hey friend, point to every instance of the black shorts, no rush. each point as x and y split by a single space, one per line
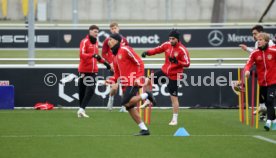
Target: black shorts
160 78
130 92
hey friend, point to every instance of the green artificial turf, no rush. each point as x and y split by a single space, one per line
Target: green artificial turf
59 133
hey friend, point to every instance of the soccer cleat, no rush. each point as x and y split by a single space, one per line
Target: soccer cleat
110 103
143 133
267 127
151 98
236 87
123 109
173 123
146 104
262 108
81 113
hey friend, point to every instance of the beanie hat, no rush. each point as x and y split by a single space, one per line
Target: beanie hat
174 33
116 36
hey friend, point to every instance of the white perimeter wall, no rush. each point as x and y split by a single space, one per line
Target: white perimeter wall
149 9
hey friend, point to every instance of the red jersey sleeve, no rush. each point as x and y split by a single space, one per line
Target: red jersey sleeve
102 59
114 78
249 62
105 49
157 50
124 41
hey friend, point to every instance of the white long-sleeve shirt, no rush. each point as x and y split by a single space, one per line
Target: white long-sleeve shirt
250 50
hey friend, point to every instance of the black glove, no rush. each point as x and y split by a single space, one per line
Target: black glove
98 57
144 54
173 60
108 67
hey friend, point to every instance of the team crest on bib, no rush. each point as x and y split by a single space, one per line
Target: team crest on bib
269 56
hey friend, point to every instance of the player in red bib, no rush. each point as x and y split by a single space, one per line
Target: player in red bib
108 56
129 70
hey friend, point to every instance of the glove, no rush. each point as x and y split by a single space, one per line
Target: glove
108 67
173 60
144 54
98 57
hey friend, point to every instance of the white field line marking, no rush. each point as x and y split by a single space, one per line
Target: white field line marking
72 135
265 139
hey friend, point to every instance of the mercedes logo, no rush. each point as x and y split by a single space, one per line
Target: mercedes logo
215 38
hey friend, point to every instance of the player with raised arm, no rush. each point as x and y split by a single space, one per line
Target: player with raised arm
129 70
176 59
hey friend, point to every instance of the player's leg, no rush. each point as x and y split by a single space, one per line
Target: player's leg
157 78
82 89
270 101
133 99
129 100
123 108
136 117
112 93
262 108
173 90
147 87
88 93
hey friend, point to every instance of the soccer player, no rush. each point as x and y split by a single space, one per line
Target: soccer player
88 68
255 31
236 86
108 56
176 58
129 69
265 60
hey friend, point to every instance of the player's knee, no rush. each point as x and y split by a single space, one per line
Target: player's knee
113 90
129 107
115 86
148 81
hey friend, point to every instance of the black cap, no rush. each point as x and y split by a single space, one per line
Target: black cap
116 36
174 33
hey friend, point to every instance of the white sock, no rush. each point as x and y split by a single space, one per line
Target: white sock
274 121
144 96
175 116
142 126
268 122
262 104
81 110
110 100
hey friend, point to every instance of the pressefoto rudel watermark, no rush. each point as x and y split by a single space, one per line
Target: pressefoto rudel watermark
50 79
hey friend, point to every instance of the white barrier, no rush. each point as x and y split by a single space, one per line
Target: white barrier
216 63
141 25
